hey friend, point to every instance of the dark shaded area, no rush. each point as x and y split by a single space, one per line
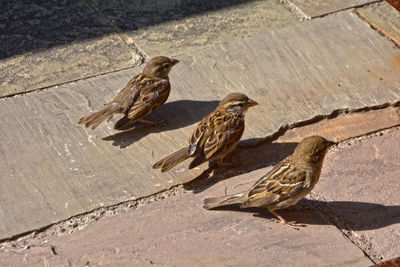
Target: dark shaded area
26 26
352 215
246 158
42 24
394 3
348 215
390 263
178 114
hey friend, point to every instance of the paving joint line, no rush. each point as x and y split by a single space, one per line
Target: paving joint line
296 10
334 114
344 9
344 227
49 87
144 56
341 223
377 29
81 220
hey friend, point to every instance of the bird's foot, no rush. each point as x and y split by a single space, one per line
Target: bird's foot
154 123
292 224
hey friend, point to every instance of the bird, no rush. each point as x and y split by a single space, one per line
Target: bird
215 136
286 184
143 93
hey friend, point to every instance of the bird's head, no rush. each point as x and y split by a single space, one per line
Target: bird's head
236 103
159 67
312 149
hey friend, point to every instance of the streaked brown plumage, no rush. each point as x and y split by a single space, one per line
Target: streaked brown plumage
215 136
145 92
288 182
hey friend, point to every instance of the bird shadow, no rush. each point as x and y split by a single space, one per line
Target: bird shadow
178 114
346 215
249 155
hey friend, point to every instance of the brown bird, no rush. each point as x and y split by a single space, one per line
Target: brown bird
288 182
145 92
215 136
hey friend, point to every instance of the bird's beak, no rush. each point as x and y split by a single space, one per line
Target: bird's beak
251 103
174 62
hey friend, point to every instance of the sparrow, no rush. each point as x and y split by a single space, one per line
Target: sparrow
215 136
288 182
143 93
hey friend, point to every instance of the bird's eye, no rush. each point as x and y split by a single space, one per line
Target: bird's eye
166 66
241 104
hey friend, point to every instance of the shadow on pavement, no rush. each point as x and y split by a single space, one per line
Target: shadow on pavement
347 215
355 215
178 114
249 158
39 24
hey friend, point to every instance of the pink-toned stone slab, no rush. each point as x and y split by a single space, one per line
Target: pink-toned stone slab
360 184
177 231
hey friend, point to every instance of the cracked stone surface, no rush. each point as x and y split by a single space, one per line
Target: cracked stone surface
176 27
361 190
43 43
53 169
316 8
384 18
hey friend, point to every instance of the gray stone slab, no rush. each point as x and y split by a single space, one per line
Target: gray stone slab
53 169
384 18
316 8
44 43
177 231
361 189
176 27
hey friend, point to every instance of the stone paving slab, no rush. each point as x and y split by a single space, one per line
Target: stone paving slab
362 188
316 8
384 18
45 43
176 27
177 231
346 126
53 169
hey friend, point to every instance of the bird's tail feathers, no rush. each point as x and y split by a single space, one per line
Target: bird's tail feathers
215 202
172 160
95 118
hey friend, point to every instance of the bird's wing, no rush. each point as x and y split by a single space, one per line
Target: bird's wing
129 94
224 132
149 94
284 181
198 134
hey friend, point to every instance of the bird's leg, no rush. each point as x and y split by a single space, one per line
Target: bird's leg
154 123
283 221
